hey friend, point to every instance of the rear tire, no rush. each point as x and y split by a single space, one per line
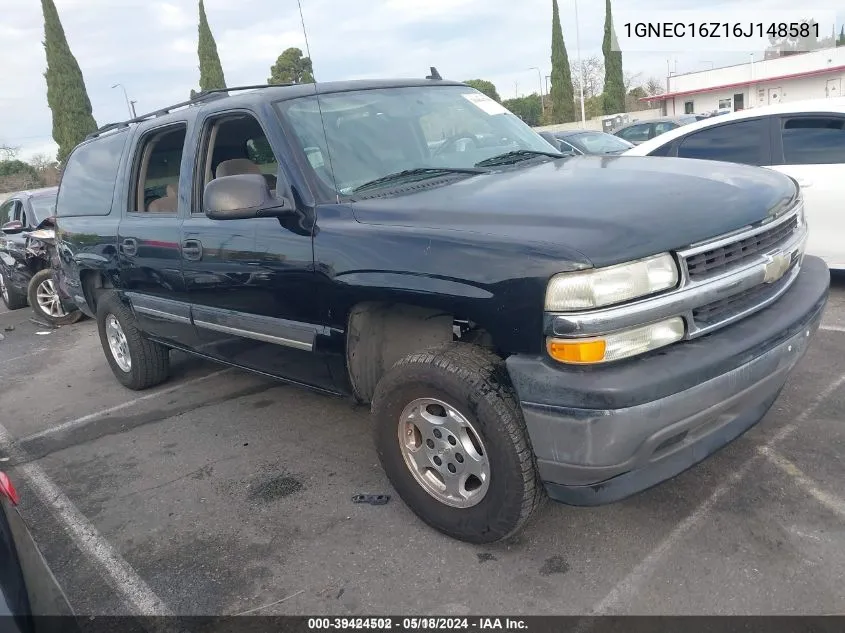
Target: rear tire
136 362
12 299
461 425
44 300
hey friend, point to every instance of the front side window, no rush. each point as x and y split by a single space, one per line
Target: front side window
90 176
740 142
814 141
663 127
7 212
235 144
635 133
364 135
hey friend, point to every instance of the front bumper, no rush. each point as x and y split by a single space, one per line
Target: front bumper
601 434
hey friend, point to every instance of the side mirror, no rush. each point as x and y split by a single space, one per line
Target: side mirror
12 228
243 196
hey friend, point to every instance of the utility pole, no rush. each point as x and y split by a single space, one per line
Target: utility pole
540 77
128 103
580 66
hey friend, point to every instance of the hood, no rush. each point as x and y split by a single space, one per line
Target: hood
611 209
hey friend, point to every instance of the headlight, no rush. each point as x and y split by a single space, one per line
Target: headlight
614 284
618 345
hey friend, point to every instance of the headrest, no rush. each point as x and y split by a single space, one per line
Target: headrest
236 166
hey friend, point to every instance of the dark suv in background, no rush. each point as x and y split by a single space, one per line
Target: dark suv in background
520 322
20 212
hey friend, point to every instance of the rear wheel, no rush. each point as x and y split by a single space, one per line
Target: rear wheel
451 437
45 301
136 362
12 299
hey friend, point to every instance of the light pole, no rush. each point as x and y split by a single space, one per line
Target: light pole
580 66
129 105
540 77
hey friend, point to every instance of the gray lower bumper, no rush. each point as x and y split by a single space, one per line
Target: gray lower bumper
591 456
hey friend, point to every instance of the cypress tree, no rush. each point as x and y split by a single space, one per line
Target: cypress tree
211 71
841 40
66 94
613 97
562 94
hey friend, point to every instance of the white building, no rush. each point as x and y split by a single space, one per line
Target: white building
814 75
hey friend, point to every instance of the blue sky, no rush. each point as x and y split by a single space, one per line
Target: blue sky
150 46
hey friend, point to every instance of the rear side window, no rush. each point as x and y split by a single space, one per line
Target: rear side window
740 142
814 141
155 180
90 176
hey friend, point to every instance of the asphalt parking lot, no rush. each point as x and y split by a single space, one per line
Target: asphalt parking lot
224 493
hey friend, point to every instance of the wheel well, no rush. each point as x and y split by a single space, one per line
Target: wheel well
92 282
380 334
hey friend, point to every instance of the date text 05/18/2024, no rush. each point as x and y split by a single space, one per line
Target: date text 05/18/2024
738 30
417 624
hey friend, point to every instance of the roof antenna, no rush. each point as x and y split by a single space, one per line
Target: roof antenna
434 74
319 105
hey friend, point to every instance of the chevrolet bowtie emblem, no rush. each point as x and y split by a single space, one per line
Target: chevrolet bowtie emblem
776 267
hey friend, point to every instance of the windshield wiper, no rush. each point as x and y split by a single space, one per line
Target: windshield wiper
411 175
515 156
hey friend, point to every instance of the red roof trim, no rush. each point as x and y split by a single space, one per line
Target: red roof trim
811 73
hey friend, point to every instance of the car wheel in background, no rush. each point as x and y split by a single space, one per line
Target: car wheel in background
12 299
45 301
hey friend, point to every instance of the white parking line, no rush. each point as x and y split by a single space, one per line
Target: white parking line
829 501
116 571
832 328
65 426
626 588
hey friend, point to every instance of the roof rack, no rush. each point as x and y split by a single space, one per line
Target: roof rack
205 95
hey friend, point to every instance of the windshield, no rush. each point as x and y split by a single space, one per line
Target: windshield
598 143
43 207
375 133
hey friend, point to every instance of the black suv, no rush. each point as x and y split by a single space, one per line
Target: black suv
520 322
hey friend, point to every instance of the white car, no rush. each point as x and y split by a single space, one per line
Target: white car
803 139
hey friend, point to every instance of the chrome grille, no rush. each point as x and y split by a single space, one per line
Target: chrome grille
721 258
724 309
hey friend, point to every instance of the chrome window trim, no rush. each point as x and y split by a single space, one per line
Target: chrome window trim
690 295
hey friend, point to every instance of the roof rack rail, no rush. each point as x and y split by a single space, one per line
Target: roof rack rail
205 95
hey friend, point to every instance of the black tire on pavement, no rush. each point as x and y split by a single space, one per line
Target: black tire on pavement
474 383
32 295
12 299
149 361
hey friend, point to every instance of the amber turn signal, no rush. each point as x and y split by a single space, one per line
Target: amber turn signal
591 351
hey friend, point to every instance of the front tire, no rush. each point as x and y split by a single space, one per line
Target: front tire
451 437
136 362
12 299
45 301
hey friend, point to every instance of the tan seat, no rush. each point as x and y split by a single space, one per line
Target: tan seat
168 204
236 167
